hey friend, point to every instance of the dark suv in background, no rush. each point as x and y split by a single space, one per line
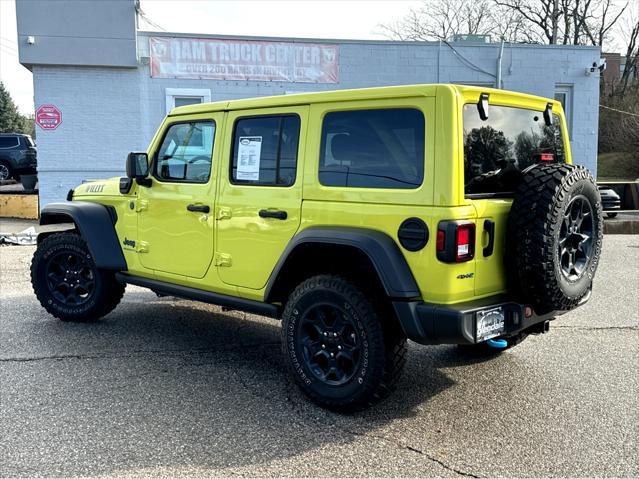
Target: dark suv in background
17 156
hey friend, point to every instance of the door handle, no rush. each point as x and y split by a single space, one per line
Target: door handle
278 214
489 227
199 208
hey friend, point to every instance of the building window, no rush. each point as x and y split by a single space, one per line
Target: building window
563 94
373 149
185 153
185 96
265 150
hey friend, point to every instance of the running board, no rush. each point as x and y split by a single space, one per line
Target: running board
186 292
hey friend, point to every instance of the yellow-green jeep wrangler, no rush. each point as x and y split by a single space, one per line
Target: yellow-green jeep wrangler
360 218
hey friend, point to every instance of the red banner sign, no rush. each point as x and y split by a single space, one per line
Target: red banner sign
174 57
48 117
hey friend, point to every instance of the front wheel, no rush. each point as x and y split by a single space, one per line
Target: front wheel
341 352
68 284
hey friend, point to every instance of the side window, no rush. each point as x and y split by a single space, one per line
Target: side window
8 141
265 150
185 153
373 149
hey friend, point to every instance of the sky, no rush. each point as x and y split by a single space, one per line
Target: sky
358 19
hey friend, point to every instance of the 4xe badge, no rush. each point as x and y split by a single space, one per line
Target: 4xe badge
465 275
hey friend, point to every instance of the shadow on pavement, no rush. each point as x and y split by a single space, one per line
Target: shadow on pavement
170 383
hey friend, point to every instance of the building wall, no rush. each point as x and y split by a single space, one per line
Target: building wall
69 32
107 112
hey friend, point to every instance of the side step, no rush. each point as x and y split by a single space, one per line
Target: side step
186 292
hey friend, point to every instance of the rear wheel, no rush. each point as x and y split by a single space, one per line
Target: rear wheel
67 282
341 352
5 171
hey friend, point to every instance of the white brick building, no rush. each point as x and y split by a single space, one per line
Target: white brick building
95 67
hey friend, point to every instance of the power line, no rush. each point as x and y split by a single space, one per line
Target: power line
8 52
618 111
7 46
8 40
467 62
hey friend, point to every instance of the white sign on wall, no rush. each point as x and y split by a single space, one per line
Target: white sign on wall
177 57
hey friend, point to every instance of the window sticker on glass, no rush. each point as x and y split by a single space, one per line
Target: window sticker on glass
248 153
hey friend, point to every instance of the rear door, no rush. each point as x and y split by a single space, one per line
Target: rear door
496 151
260 195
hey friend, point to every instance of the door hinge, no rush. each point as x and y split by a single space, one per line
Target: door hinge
223 259
141 205
223 213
143 247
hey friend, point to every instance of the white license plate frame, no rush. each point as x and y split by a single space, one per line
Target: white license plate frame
490 323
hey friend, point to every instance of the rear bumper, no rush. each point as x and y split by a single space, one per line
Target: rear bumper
456 324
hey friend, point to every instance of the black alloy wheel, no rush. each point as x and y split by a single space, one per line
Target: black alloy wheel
5 172
575 238
344 347
331 344
71 280
67 282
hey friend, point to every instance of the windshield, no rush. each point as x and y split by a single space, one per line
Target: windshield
496 150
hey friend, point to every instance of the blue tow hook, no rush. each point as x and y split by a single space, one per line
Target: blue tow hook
497 343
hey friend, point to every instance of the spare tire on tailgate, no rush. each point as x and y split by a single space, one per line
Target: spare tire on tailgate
554 236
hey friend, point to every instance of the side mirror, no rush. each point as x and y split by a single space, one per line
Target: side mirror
137 168
137 165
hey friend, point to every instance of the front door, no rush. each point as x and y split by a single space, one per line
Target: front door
260 197
176 221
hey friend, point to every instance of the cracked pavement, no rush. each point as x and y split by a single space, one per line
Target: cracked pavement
170 388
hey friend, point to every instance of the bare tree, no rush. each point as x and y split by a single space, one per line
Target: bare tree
573 22
441 19
631 68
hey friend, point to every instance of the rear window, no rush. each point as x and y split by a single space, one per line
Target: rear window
510 140
373 149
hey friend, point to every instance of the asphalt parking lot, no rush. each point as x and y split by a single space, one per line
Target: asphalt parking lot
169 388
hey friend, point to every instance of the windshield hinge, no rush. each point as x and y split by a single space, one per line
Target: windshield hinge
222 259
141 205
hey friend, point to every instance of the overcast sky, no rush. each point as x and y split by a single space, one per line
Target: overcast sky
307 18
302 18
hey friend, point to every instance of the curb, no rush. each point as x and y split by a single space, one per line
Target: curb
621 227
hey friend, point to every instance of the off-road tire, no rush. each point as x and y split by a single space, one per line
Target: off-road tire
383 344
105 294
537 231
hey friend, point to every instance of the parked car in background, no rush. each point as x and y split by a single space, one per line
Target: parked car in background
17 156
610 201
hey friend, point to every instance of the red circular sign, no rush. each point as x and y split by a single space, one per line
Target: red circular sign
48 117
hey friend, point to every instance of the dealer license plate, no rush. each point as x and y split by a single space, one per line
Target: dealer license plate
490 323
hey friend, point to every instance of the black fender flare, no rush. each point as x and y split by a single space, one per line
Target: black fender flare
382 250
96 224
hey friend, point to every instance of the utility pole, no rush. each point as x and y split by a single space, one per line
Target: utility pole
555 21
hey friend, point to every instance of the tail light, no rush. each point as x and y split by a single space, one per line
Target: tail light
465 242
455 241
546 157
